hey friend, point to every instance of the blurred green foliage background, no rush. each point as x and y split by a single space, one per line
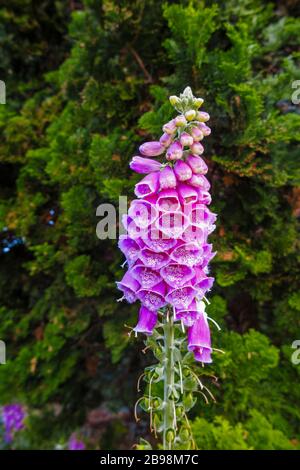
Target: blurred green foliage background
87 82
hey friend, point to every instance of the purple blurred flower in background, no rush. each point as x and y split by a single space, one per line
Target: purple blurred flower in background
13 420
75 444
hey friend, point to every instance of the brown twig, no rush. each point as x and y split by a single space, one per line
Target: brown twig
140 62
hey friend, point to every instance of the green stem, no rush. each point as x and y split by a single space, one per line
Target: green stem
169 408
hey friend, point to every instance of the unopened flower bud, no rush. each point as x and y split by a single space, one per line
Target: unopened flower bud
170 435
180 121
179 411
156 421
166 139
174 100
185 434
188 401
186 139
144 165
204 129
200 182
151 149
175 151
146 402
170 127
190 115
167 178
197 148
198 102
182 171
197 134
157 353
202 116
197 164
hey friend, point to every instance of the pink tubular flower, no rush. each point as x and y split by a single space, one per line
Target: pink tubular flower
186 139
151 149
199 337
129 286
205 284
197 164
153 298
182 171
154 260
188 254
200 182
147 321
172 223
194 233
167 178
203 355
181 297
147 185
197 148
157 242
201 281
177 275
208 255
147 277
129 247
175 151
144 165
170 127
168 200
197 134
142 212
202 116
168 225
204 197
200 215
166 139
134 232
204 129
187 194
188 315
